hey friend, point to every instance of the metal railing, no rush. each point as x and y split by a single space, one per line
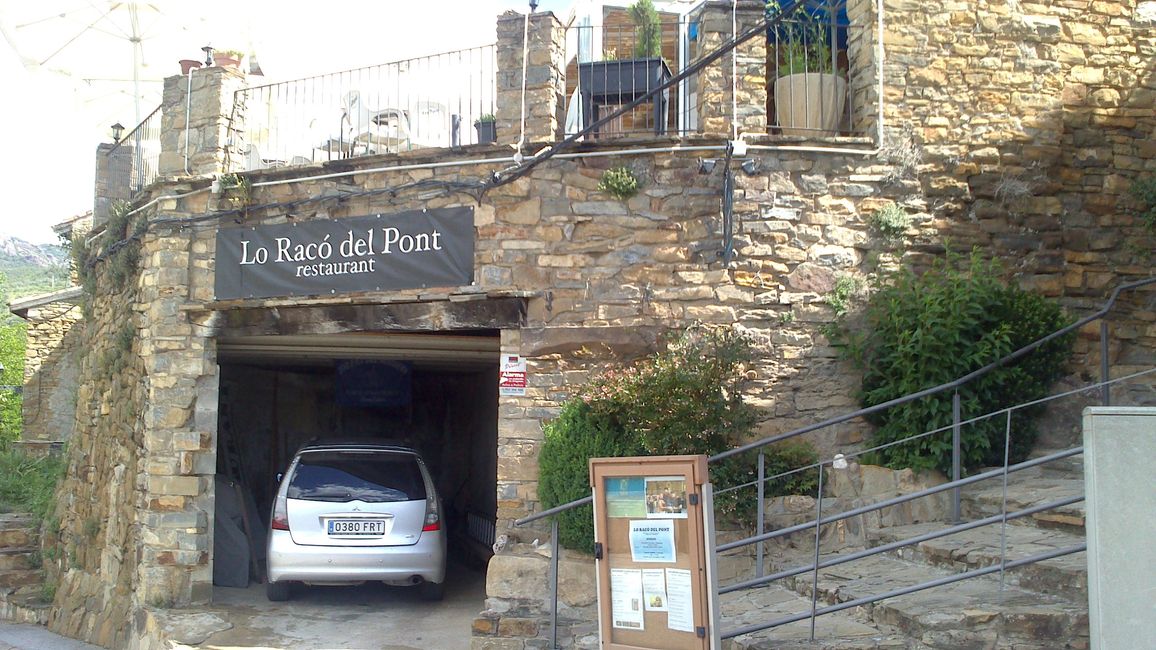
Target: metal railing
431 101
808 75
1103 388
132 163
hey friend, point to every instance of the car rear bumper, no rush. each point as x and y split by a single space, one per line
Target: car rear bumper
290 561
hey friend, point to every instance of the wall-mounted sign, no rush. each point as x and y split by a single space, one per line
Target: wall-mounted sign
373 383
407 250
512 375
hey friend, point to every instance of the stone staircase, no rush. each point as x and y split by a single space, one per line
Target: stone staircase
21 577
1033 607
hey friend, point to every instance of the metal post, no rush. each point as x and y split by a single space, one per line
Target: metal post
554 583
815 574
955 458
759 518
1105 391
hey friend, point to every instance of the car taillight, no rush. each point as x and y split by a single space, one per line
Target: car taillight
280 515
433 520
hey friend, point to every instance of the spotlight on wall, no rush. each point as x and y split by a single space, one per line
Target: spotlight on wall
706 165
750 166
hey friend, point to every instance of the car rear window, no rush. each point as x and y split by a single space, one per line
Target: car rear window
362 476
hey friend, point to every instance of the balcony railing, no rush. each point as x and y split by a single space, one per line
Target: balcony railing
430 101
814 76
132 162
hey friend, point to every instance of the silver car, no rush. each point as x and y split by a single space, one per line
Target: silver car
352 512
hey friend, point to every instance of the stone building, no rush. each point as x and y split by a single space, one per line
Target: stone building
1016 129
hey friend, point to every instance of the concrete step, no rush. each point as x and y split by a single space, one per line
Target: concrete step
1026 489
972 614
980 547
838 631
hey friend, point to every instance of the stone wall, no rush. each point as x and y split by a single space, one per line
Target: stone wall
91 545
50 372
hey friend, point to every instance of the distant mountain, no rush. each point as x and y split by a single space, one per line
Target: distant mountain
30 269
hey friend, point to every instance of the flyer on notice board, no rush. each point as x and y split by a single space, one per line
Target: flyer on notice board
652 540
679 600
626 610
654 589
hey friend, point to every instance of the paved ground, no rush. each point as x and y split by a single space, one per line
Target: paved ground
22 636
351 618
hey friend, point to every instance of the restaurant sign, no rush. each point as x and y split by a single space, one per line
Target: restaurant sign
407 250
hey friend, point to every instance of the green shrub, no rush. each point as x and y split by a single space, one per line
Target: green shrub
686 399
920 331
1144 191
571 440
619 182
27 483
647 29
891 222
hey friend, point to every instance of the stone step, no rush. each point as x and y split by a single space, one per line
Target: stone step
1026 489
24 605
974 613
19 558
980 547
12 578
17 530
838 631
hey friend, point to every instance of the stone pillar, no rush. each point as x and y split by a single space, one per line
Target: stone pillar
178 442
717 110
216 126
51 365
863 77
545 78
113 178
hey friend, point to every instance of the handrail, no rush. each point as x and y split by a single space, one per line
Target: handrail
879 407
134 130
879 505
959 577
940 388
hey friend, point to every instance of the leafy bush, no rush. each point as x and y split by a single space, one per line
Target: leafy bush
1144 191
28 483
891 221
647 29
686 399
619 182
572 439
13 340
924 330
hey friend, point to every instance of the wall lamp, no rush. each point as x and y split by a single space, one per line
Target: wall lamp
750 166
117 130
706 165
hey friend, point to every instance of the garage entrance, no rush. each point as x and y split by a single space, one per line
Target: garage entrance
437 393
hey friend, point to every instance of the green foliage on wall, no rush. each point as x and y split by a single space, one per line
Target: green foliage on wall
619 182
686 399
13 341
922 330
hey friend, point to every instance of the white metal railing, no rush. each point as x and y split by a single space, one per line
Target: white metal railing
431 101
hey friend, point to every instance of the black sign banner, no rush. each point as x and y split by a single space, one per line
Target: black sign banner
407 250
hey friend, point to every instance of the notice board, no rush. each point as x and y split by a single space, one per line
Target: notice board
651 552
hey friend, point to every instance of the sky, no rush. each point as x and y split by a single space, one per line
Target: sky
66 68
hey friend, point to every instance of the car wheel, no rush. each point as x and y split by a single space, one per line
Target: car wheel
277 591
432 590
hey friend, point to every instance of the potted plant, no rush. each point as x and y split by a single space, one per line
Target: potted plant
809 94
188 65
486 127
228 58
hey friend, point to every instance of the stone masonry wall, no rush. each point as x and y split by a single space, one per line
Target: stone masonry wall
50 372
91 545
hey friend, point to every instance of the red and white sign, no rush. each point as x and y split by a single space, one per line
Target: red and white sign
512 375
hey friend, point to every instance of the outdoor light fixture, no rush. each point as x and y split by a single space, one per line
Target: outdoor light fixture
117 129
533 6
208 50
750 166
706 165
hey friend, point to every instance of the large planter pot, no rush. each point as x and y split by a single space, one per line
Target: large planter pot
188 65
810 103
487 132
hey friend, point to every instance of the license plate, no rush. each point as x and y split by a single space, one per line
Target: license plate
355 527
